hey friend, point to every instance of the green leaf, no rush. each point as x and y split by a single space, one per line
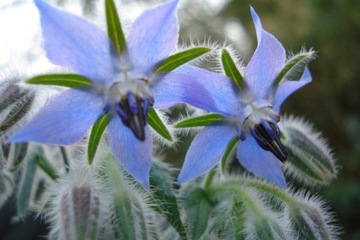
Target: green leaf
47 168
95 136
201 121
64 80
156 123
294 67
198 208
228 150
231 69
164 196
25 188
114 28
180 58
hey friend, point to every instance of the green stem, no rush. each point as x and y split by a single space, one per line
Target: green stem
65 158
273 190
210 177
244 197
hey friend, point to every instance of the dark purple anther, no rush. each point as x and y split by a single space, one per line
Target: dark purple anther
267 135
132 110
133 104
121 113
147 104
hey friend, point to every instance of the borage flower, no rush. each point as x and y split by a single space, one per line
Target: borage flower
248 105
120 82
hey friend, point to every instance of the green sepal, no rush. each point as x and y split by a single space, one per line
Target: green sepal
234 219
7 186
155 122
180 58
228 150
47 168
114 29
310 159
200 121
128 208
82 206
14 95
15 155
95 136
198 207
164 196
231 69
292 66
308 222
40 190
26 186
265 225
64 80
19 110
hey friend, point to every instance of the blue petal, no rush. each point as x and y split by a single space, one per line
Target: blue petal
134 155
260 162
206 150
266 63
75 43
286 88
64 120
198 87
153 36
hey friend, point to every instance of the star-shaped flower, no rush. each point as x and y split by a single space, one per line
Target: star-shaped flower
249 108
120 86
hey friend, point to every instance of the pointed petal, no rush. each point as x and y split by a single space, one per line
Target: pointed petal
64 120
134 155
260 162
198 87
266 63
153 36
286 88
206 150
75 43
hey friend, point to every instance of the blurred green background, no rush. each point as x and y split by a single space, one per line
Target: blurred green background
331 102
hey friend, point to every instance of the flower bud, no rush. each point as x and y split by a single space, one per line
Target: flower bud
80 211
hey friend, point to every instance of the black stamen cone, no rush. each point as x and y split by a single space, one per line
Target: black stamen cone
267 135
134 116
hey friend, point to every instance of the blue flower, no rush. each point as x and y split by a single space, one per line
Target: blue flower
121 83
250 113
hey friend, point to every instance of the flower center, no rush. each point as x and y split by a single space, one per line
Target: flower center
130 99
263 127
132 110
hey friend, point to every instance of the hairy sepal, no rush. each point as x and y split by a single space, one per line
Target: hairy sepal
163 194
310 159
295 66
